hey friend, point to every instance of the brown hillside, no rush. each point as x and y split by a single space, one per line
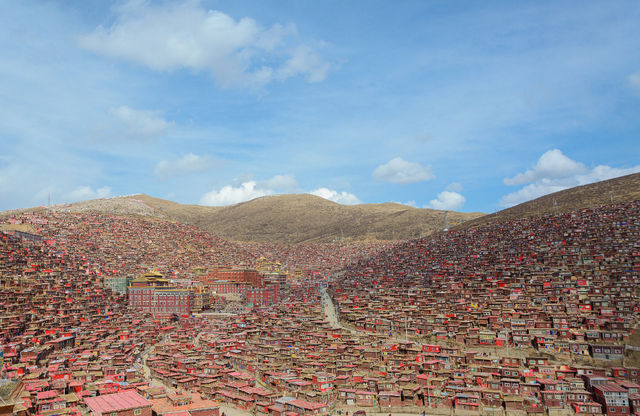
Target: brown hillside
189 214
283 218
305 218
617 190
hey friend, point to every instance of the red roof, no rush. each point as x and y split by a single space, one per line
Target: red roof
303 404
116 402
49 394
610 388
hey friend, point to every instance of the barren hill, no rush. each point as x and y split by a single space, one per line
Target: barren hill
285 218
617 190
305 218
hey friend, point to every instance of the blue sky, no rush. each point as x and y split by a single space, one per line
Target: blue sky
471 106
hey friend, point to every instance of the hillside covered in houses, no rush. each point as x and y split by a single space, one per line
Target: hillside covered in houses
525 316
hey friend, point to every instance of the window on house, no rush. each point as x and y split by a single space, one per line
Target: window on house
137 412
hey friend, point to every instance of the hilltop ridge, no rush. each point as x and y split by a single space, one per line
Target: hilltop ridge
300 218
304 218
289 218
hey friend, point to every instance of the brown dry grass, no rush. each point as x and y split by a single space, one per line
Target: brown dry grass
307 218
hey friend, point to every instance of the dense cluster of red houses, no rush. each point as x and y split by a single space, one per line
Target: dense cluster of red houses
531 316
66 335
115 246
112 245
67 343
562 285
316 259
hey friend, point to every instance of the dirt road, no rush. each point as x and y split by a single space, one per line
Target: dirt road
329 308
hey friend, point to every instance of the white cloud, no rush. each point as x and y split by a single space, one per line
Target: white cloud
604 172
249 189
399 170
287 182
273 37
185 35
553 164
139 123
530 192
556 173
229 195
343 197
84 193
188 163
634 80
447 200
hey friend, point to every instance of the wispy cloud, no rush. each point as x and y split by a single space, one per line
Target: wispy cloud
281 182
237 53
83 193
139 123
400 171
304 61
467 94
188 163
